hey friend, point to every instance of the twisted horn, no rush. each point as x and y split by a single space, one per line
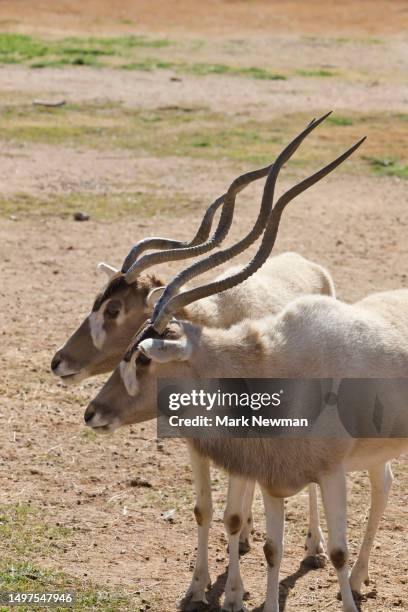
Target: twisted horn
174 250
224 224
266 205
133 265
165 243
163 314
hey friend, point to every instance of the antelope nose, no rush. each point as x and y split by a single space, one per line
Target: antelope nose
56 360
89 413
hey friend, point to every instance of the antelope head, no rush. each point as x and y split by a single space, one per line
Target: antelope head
129 396
99 342
118 311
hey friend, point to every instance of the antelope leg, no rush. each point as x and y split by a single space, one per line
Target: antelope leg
334 494
203 514
381 480
273 548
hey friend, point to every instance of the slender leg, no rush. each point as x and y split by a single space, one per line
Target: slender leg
273 549
247 525
314 544
203 514
334 494
381 480
233 517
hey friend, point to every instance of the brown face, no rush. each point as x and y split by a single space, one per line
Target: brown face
129 396
114 406
98 344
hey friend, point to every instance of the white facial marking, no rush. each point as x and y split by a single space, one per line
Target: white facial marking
101 425
75 378
96 321
63 370
128 375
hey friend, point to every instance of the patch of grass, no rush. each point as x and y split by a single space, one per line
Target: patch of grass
29 577
88 434
192 132
55 134
204 69
387 166
16 48
339 120
101 207
104 52
148 65
81 60
120 45
22 528
254 72
373 41
320 72
342 40
26 533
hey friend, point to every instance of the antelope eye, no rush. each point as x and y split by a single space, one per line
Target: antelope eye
113 309
142 359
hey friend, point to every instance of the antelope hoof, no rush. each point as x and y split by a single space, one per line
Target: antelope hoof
195 606
244 546
270 608
234 601
190 604
358 577
231 607
195 598
314 544
315 561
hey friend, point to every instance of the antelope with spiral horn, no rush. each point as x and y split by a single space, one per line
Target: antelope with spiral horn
283 345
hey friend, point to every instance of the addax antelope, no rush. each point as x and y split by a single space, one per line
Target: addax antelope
284 345
98 344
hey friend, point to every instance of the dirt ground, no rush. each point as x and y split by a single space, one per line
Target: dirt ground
86 513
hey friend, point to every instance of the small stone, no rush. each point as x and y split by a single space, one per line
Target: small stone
81 216
140 482
168 515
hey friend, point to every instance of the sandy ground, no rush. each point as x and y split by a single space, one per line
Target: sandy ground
354 224
228 17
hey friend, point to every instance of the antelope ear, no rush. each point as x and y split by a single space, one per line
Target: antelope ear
153 296
163 351
109 270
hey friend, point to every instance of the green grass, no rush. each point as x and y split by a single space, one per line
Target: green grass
32 578
107 52
194 132
21 526
25 533
317 73
148 65
386 166
342 40
80 60
339 120
170 131
203 69
191 132
112 206
19 48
